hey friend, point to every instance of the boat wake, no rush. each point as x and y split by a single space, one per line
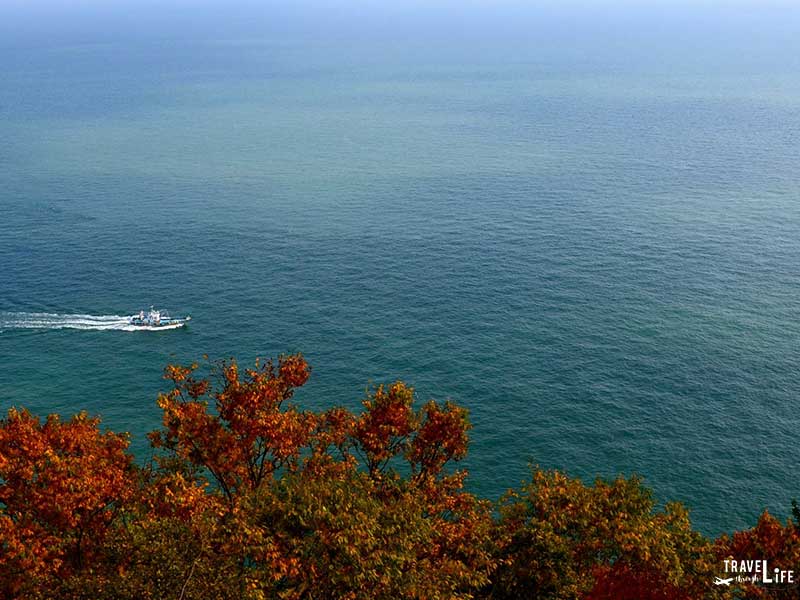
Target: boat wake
23 320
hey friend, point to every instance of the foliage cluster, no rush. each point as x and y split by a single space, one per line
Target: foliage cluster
250 497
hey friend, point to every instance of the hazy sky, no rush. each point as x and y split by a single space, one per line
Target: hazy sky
108 18
757 36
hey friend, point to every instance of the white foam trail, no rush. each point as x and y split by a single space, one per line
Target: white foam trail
22 320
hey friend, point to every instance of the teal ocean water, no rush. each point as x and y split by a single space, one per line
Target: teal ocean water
599 258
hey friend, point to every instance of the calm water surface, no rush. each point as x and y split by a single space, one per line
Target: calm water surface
599 259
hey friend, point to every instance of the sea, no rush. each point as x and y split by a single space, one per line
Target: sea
596 253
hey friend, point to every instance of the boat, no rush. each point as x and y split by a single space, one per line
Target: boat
157 319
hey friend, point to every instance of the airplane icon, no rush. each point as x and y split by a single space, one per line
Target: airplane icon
720 581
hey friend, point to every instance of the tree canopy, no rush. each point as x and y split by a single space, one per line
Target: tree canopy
249 496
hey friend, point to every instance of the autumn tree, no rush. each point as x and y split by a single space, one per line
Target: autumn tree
777 543
250 434
560 539
424 443
62 485
290 479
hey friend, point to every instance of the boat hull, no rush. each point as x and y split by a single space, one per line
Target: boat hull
149 325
